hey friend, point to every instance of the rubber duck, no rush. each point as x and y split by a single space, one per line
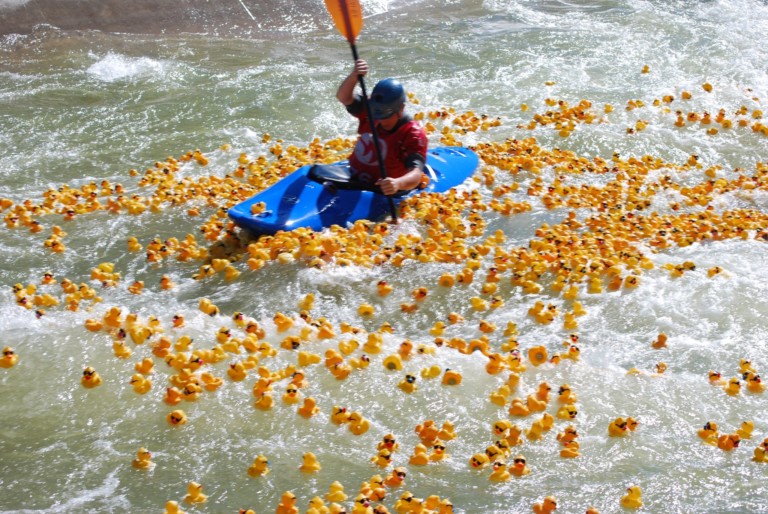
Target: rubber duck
211 382
259 467
143 459
715 378
438 451
383 288
264 401
451 378
746 365
393 362
427 432
335 493
534 404
660 341
375 490
339 415
565 395
172 507
728 442
536 431
754 382
287 504
760 454
357 424
176 418
447 431
633 499
292 395
119 348
405 503
618 428
172 396
570 450
478 461
140 384
310 463
145 366
309 408
388 442
745 431
592 510
519 408
709 433
733 387
307 359
90 378
373 344
500 472
420 456
383 458
537 355
632 424
519 467
547 506
396 478
195 493
408 384
493 452
237 371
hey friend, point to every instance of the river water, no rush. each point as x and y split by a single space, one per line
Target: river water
84 107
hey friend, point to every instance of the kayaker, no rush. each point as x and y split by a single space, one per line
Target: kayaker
402 140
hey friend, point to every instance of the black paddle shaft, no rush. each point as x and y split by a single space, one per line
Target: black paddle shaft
369 111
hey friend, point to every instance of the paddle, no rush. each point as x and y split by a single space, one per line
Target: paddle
348 18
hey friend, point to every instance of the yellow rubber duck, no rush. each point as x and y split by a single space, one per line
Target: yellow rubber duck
90 378
733 387
287 504
264 401
259 467
396 478
716 378
339 415
335 493
478 461
393 362
438 451
754 382
383 458
500 472
195 494
728 442
745 431
633 498
9 358
618 428
565 395
357 424
145 366
408 384
547 506
709 433
451 377
172 507
292 395
420 457
140 384
237 371
211 382
176 418
570 450
519 468
143 459
310 463
309 408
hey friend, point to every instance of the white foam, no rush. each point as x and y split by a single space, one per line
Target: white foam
113 67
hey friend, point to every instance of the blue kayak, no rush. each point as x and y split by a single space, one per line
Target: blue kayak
313 198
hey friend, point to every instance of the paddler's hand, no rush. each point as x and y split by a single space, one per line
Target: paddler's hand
389 186
361 68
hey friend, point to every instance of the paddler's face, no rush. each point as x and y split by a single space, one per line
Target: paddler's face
390 122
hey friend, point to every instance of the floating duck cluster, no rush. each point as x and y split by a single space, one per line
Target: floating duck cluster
604 249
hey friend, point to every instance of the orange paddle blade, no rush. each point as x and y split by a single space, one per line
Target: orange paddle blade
348 17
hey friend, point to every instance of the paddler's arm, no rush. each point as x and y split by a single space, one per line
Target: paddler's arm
346 92
410 180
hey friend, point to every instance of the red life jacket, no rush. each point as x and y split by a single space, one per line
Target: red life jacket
396 146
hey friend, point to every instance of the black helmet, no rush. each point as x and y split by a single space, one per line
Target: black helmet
387 98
